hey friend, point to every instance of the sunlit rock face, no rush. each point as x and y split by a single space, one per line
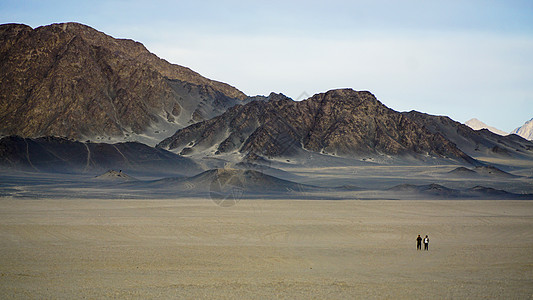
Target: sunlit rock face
73 81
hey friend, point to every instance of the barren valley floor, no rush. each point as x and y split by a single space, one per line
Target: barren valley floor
298 249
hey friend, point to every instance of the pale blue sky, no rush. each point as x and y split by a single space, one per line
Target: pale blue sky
463 59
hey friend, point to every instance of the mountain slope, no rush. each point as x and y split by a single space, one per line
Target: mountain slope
525 131
74 81
478 125
339 122
480 143
217 179
51 154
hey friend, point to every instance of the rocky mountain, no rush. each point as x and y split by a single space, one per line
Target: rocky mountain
69 80
525 131
52 154
73 81
339 122
478 125
475 143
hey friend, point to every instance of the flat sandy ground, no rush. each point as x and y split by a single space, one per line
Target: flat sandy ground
192 248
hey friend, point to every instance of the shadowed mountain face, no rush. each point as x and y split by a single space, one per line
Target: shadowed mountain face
71 80
61 155
339 122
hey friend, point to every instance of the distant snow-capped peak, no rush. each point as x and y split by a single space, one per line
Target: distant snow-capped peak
478 125
525 131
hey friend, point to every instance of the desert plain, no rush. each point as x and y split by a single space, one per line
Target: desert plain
192 248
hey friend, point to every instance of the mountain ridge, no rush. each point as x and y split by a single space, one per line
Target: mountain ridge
478 125
476 143
71 80
340 122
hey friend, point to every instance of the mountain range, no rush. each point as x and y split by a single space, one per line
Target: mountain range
73 96
339 122
525 131
344 123
73 81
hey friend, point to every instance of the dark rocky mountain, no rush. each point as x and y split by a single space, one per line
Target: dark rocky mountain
73 81
51 154
339 122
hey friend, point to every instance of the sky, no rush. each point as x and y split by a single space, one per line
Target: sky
462 59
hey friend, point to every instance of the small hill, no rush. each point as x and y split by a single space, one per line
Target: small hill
249 180
462 171
487 171
436 191
113 175
219 182
481 191
430 190
492 172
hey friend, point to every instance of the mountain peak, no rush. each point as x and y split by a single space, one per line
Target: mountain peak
68 79
340 122
345 94
478 125
526 130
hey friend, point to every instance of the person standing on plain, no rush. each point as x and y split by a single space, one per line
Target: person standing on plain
419 243
426 243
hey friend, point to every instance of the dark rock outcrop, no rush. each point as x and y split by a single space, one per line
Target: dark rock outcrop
73 81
